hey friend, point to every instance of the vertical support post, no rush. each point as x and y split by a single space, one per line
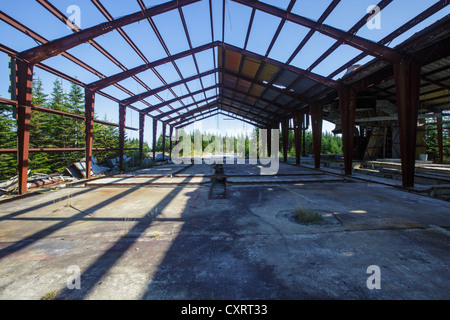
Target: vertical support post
24 88
316 122
304 127
407 87
122 119
285 136
298 126
170 143
141 138
440 141
89 103
347 105
164 140
155 126
269 141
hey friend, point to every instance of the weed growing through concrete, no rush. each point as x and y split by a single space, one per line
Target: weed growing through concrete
307 216
125 226
49 295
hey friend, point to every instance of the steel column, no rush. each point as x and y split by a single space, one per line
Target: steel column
155 126
316 123
163 140
347 105
89 103
170 143
285 136
407 82
122 119
24 88
141 138
440 141
298 124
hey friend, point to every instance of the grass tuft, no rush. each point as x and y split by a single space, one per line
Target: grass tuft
307 216
49 295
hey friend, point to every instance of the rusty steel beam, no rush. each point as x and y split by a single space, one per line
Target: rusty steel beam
160 105
279 106
316 111
194 111
76 116
155 127
170 142
141 138
165 114
203 118
362 22
122 120
440 140
362 44
58 46
105 82
57 150
255 115
24 88
407 81
298 124
311 32
399 31
58 14
257 108
164 126
285 137
347 106
195 117
258 125
144 95
166 49
89 104
38 38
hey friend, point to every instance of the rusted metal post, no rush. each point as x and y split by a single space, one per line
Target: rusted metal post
24 88
285 136
89 104
298 124
316 122
141 138
304 127
440 141
347 105
407 88
163 140
122 119
170 142
155 126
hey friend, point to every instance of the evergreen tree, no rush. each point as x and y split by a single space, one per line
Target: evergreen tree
8 162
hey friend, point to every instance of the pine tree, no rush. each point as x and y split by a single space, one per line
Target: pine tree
8 163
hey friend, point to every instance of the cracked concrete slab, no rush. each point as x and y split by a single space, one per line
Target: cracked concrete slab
173 242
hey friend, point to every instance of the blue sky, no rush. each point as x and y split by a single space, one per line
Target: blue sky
237 16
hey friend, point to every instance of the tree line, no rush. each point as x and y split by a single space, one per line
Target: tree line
49 130
331 144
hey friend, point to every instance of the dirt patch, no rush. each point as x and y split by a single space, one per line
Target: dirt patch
328 218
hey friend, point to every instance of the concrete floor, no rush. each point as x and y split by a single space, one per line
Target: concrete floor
170 241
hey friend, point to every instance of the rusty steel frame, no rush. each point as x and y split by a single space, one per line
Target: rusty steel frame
337 89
